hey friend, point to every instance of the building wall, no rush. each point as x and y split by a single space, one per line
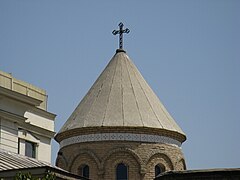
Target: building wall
23 118
8 135
14 134
43 144
9 82
39 120
103 157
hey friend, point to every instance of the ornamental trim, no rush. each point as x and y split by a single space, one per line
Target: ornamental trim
119 137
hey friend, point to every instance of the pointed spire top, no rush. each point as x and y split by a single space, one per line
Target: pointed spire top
121 98
120 32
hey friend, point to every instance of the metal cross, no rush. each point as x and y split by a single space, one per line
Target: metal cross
120 32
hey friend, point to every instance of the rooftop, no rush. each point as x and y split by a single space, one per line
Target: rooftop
9 82
121 97
12 163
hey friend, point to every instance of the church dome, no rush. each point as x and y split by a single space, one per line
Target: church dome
120 129
121 98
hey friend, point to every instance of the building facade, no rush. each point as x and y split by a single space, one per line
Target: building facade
12 165
206 174
26 127
120 129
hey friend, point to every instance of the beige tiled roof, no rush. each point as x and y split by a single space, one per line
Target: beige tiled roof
10 160
121 97
12 163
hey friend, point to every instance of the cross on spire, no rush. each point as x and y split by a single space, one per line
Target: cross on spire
120 32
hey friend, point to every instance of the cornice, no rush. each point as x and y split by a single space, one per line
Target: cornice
19 97
43 113
11 116
37 130
130 137
21 121
136 130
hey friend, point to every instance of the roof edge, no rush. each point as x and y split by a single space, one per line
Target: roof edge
200 172
139 130
20 97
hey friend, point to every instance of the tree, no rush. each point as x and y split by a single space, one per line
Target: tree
28 176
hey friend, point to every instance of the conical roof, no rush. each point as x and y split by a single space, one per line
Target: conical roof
121 97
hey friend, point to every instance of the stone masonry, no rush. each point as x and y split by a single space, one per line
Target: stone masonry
102 158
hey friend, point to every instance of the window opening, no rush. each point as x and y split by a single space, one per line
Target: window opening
30 149
122 172
19 145
159 169
84 171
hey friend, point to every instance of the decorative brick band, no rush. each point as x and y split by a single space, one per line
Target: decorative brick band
119 137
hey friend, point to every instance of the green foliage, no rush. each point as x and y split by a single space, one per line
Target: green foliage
28 176
49 176
23 176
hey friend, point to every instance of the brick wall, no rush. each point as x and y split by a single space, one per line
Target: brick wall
103 157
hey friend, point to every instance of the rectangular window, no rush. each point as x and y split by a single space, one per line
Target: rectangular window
30 149
18 145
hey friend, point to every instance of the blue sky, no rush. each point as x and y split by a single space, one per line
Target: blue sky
188 51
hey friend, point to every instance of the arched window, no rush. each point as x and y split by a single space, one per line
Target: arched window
121 172
159 169
84 171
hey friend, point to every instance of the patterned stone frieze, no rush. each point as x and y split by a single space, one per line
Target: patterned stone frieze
119 137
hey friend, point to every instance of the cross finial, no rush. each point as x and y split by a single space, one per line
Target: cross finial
120 32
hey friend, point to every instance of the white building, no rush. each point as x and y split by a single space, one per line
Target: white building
26 127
